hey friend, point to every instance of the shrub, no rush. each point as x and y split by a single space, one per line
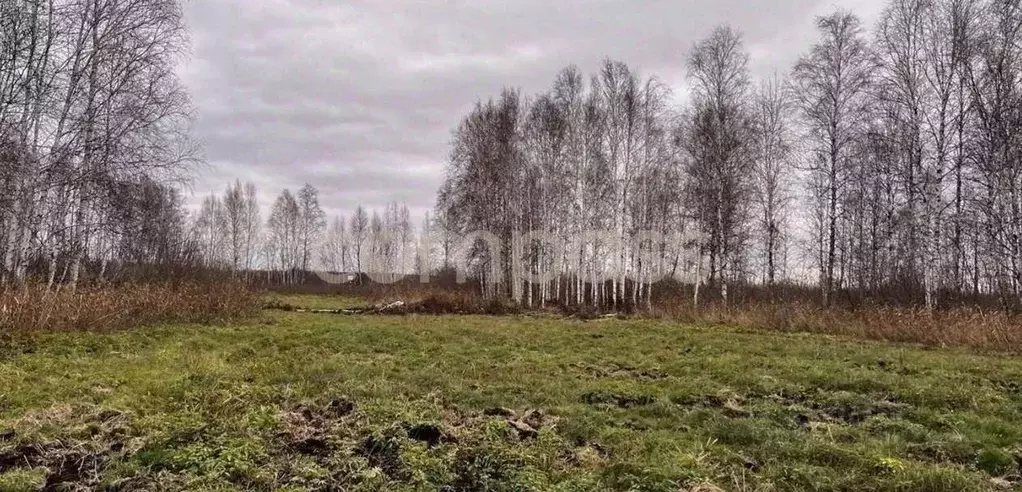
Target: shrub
440 302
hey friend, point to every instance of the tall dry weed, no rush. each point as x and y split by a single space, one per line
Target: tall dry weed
964 326
113 307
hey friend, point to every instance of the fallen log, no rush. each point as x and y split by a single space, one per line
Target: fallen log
397 307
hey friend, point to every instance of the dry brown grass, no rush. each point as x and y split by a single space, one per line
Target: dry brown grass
971 322
972 327
35 309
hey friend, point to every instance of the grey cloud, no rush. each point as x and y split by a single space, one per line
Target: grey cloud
359 97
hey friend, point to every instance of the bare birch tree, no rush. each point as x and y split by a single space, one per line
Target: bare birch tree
830 86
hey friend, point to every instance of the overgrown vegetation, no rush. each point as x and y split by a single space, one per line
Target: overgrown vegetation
978 326
108 307
319 402
973 327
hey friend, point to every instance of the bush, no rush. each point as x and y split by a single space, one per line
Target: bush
114 307
440 302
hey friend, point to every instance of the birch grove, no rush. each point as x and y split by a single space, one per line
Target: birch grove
92 132
885 165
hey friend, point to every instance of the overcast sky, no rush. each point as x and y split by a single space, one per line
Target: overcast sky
358 97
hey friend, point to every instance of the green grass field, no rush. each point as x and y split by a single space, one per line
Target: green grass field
324 402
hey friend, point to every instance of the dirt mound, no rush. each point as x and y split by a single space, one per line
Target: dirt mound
98 438
617 399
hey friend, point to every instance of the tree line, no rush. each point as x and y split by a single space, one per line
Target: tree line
93 132
95 145
885 162
297 238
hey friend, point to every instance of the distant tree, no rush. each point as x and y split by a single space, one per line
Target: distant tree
719 140
771 171
233 218
209 232
311 220
251 223
359 234
830 85
335 246
284 235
